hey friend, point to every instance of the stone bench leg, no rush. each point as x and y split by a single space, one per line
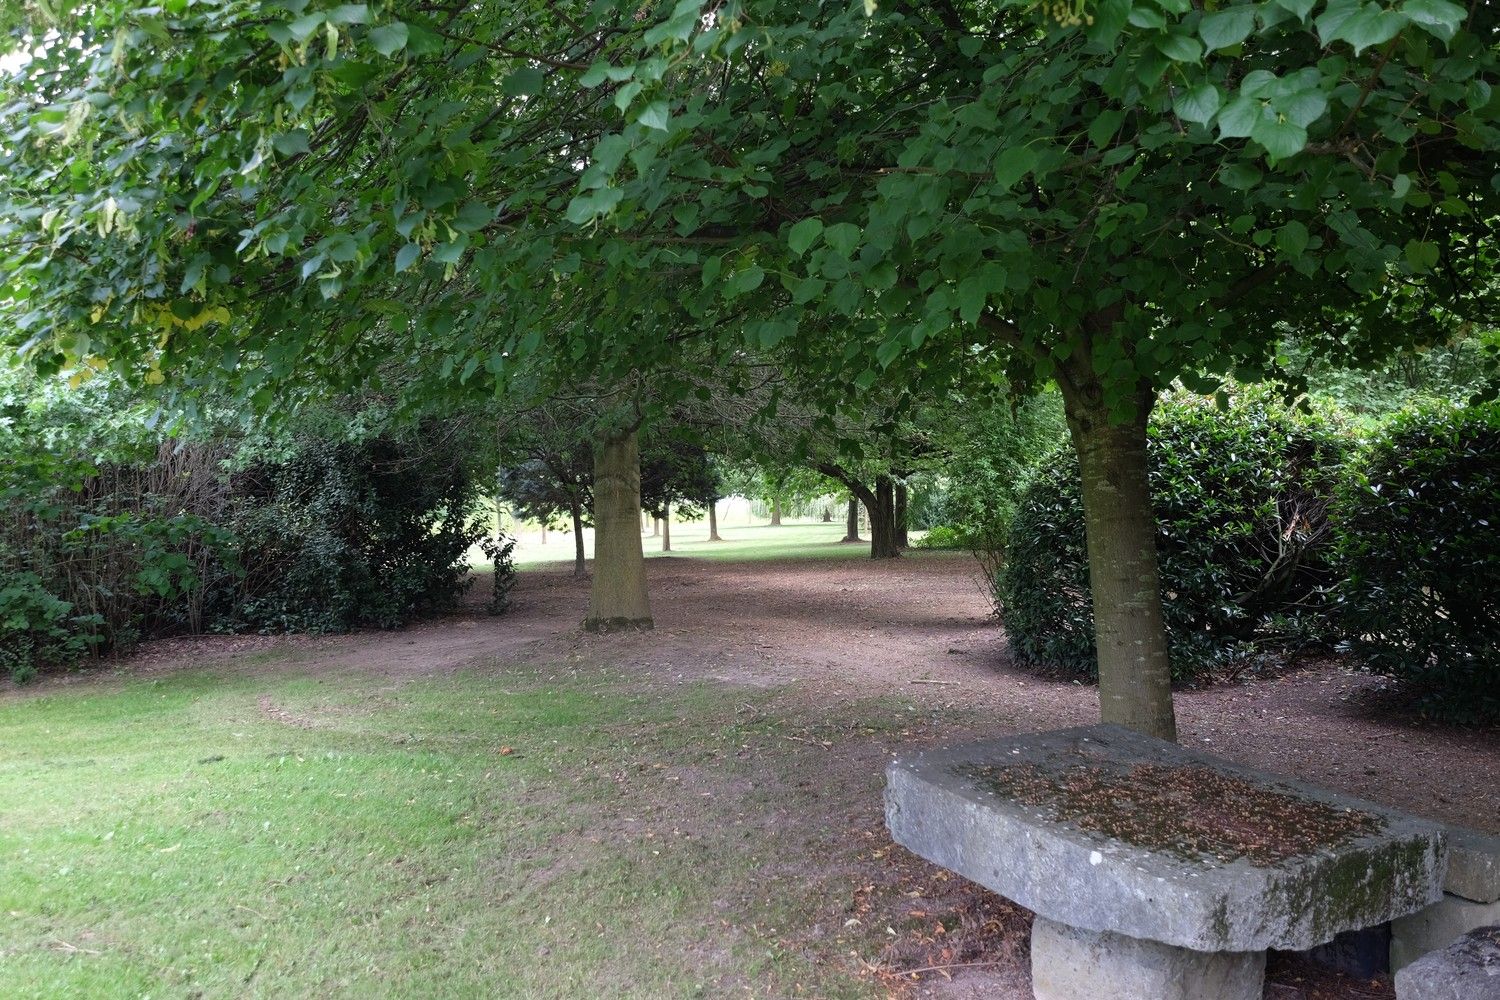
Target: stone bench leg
1069 963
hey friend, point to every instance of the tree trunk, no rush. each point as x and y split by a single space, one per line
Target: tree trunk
775 512
655 526
713 521
1135 677
666 528
618 599
883 520
580 568
903 539
851 522
544 532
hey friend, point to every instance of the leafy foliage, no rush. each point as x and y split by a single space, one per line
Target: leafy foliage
1416 532
993 450
1240 500
345 534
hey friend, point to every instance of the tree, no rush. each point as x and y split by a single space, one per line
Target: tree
1146 192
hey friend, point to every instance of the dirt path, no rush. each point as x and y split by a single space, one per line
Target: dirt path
917 628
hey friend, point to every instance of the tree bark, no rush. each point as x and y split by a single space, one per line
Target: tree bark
580 569
851 522
713 521
666 528
883 520
655 526
775 512
618 599
1135 677
903 535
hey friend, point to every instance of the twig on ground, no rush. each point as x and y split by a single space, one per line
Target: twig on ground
945 968
74 947
932 680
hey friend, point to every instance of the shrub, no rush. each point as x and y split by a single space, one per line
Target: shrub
342 534
1416 532
995 451
1240 499
942 536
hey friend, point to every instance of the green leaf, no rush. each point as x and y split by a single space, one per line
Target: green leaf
1104 126
388 39
1237 119
1297 7
450 253
1012 164
1368 24
473 216
291 143
1281 138
304 26
1437 17
1240 176
742 281
524 82
1292 238
1180 48
802 235
843 237
654 115
1199 104
407 256
1224 28
973 292
1422 256
587 206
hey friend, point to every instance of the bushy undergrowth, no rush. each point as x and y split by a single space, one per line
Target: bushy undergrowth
1418 532
110 533
343 534
1240 498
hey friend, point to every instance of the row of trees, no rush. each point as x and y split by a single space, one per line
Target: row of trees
857 207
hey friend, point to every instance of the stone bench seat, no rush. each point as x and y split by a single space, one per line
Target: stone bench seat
1155 870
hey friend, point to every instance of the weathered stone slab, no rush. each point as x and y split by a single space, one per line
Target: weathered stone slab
1468 969
1473 865
1437 926
1108 830
1068 963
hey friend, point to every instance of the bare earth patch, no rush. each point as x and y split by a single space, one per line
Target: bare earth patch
917 631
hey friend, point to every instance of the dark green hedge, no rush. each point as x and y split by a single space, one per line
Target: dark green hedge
1416 525
1246 564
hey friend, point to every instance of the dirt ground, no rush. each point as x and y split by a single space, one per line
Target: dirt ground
919 629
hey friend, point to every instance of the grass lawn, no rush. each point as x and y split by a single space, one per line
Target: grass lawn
503 832
742 543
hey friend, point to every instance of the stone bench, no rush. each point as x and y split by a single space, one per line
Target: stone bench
1468 969
1157 872
1471 898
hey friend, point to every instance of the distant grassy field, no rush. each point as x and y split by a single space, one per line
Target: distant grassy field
802 540
506 833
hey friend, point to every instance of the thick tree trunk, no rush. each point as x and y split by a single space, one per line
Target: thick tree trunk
655 526
883 520
851 522
713 521
618 599
1135 677
666 528
775 512
580 568
903 535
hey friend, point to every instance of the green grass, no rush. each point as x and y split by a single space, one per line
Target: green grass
742 543
216 834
